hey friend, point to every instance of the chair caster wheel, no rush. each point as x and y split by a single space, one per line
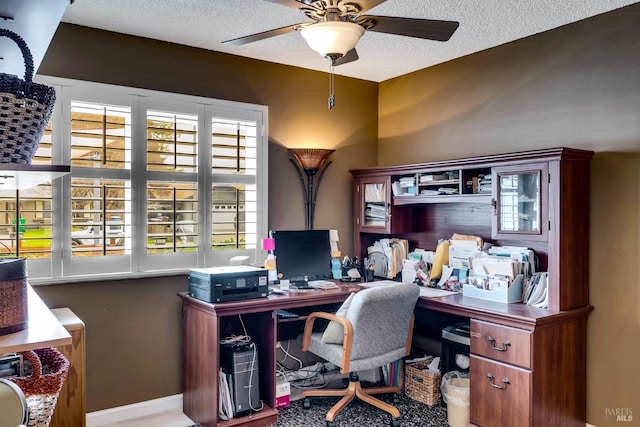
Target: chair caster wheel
331 424
395 422
306 403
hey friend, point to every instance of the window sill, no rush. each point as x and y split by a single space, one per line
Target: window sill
106 277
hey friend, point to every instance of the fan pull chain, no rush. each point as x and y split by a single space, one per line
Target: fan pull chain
332 97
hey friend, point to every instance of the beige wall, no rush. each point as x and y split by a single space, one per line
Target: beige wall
133 340
577 86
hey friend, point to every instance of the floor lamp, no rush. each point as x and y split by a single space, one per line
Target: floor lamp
310 163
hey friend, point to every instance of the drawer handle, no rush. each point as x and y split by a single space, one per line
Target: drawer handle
492 343
505 381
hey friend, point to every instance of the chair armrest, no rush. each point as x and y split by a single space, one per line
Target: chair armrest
348 335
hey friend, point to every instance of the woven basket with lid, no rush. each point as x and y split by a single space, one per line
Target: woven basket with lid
13 295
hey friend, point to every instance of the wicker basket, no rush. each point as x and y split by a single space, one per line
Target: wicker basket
421 385
13 295
48 371
25 109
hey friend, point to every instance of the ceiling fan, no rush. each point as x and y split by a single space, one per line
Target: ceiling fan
339 24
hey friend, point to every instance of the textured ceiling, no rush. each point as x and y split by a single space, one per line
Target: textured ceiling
206 23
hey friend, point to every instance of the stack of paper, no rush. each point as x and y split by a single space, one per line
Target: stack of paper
432 177
517 253
375 213
484 184
447 190
390 251
225 410
404 187
462 252
374 193
536 291
407 181
322 284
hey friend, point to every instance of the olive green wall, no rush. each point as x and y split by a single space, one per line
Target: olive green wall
576 86
133 336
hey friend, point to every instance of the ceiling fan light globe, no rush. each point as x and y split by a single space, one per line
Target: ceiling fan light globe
332 39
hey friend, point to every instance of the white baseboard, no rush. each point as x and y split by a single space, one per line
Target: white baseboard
135 410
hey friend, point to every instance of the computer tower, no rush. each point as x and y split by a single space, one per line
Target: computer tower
240 363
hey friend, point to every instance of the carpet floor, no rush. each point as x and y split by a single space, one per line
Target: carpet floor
358 413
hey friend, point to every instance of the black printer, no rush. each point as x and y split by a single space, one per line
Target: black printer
229 283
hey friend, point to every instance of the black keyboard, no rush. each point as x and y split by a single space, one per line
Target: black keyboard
300 284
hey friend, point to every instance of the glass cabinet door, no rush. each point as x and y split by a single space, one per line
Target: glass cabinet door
374 204
520 202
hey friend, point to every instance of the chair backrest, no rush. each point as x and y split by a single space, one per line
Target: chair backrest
14 409
381 319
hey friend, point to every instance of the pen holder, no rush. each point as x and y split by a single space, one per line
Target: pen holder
350 270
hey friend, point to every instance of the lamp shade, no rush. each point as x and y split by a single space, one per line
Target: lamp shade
332 38
310 158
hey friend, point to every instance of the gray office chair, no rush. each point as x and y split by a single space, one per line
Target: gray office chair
377 330
14 410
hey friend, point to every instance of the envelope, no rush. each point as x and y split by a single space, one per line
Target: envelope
495 266
460 255
517 253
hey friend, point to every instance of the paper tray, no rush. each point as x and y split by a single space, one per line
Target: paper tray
511 295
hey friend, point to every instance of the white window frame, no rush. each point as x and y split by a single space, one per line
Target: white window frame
62 267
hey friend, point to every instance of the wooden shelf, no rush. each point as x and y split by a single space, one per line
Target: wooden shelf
437 183
17 176
266 415
444 198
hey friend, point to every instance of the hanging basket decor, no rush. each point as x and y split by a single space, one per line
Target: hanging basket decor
25 109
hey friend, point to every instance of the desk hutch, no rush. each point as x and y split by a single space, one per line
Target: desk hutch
528 365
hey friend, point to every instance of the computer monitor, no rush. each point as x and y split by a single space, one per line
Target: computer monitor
302 253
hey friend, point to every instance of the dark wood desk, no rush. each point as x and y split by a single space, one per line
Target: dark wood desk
536 350
204 324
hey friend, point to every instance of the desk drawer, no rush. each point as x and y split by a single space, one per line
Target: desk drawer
501 343
500 394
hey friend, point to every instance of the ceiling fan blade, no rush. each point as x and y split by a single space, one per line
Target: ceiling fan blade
296 4
411 27
350 56
264 35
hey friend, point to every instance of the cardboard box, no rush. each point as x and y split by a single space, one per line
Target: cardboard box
283 392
